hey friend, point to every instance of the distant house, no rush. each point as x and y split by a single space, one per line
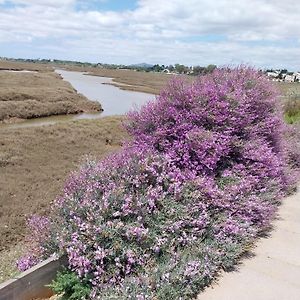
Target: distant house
273 74
166 71
283 75
290 78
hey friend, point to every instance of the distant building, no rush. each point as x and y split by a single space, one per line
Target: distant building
289 78
166 71
283 75
273 74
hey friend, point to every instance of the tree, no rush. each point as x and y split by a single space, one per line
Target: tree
171 68
199 70
210 68
180 68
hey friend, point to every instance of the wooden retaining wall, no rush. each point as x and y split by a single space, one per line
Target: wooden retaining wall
31 284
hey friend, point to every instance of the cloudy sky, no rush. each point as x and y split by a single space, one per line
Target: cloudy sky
264 33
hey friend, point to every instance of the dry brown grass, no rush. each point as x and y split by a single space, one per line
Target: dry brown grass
291 101
130 80
34 163
31 95
19 66
8 259
288 89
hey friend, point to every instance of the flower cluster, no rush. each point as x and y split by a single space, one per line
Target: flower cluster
41 241
200 179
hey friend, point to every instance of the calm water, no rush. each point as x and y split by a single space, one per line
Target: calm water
114 101
21 71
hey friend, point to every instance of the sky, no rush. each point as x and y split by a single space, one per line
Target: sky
262 33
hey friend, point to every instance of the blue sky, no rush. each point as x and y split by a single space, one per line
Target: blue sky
262 33
106 5
7 5
99 5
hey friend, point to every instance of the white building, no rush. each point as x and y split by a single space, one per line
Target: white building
166 71
289 78
272 74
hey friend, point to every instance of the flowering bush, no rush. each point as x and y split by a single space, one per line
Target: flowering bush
198 182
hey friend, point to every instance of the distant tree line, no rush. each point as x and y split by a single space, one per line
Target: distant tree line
176 68
179 69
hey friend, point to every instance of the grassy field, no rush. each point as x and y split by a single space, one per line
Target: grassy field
20 66
292 109
38 94
291 91
34 163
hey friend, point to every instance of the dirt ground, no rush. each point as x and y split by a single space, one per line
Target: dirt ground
39 94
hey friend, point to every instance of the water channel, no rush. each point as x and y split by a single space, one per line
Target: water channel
113 100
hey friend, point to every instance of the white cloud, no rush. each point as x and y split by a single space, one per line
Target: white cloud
262 32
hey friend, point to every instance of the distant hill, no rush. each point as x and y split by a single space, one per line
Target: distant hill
141 65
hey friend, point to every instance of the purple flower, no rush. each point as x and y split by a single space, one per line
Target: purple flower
199 179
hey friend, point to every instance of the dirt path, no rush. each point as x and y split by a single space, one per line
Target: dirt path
274 272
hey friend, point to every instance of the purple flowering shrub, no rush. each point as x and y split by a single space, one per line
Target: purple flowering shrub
199 181
42 241
223 120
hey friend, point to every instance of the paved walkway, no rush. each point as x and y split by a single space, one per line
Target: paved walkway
274 272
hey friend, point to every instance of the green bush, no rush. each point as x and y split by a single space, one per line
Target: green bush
70 286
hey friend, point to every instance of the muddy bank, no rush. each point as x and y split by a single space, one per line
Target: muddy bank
39 94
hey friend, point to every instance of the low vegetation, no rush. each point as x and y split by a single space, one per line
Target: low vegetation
292 109
38 94
14 65
70 287
199 181
291 101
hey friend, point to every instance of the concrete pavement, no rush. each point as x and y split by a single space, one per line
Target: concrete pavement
274 272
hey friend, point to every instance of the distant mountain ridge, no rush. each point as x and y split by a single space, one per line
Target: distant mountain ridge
141 65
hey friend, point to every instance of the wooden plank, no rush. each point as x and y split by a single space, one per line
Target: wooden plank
32 283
